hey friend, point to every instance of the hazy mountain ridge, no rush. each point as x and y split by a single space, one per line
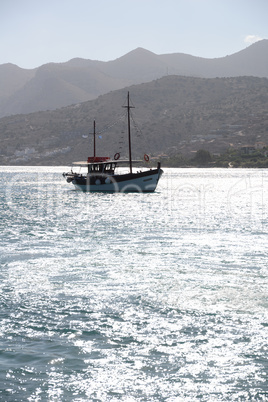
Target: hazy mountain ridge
55 85
174 115
13 78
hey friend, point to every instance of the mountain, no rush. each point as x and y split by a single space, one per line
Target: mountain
13 78
57 85
252 61
172 115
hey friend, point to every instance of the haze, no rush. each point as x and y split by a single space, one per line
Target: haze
34 32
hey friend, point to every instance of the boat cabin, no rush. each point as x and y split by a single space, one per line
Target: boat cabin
106 168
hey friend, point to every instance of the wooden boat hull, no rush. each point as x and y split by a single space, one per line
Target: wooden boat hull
140 182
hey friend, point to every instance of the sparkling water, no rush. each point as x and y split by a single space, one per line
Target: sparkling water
134 297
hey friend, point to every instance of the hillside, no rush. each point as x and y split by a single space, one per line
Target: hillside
56 85
172 115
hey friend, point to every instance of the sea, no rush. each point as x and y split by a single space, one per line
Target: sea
134 297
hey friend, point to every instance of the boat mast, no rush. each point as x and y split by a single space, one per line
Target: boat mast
94 136
128 107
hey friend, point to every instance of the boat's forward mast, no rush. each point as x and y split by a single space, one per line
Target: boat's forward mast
94 138
94 158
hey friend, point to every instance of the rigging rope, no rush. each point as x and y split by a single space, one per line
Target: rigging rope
120 118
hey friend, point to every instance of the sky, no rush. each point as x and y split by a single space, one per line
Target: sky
36 32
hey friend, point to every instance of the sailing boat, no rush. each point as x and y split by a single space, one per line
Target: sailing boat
103 175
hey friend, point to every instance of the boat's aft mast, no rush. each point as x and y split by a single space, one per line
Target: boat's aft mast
129 137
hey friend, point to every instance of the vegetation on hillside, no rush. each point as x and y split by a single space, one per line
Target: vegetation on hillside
56 85
173 116
232 158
